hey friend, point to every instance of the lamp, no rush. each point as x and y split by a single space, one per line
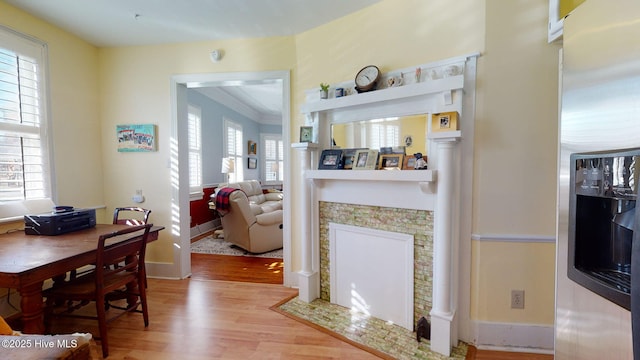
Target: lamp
227 166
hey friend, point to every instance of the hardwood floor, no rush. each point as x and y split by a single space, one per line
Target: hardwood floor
207 318
237 268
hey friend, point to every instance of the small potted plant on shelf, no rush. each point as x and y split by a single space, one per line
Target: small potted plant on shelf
324 91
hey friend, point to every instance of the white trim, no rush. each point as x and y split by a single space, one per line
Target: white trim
532 338
514 238
181 268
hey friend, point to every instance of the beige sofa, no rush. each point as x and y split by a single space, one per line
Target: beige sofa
253 220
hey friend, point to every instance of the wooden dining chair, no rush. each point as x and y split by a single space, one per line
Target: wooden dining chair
105 281
122 215
131 215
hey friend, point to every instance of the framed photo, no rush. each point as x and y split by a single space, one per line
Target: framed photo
348 156
330 159
306 133
446 121
252 148
365 160
391 161
253 163
410 162
136 138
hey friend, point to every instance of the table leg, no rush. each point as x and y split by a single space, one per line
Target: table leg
31 306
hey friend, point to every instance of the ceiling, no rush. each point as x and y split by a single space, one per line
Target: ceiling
111 23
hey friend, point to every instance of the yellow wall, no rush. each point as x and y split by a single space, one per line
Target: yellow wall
516 119
134 86
515 163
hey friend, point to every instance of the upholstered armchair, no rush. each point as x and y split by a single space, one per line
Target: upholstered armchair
250 219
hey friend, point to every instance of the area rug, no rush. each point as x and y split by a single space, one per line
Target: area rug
211 245
374 335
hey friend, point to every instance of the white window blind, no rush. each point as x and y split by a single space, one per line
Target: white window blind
234 149
381 133
273 158
24 154
194 119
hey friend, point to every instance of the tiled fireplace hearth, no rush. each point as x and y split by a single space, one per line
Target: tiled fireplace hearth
418 223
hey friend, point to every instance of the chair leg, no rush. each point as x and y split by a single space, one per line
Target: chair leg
102 324
142 290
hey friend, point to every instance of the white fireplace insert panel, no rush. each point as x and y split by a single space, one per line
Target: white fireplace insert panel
371 271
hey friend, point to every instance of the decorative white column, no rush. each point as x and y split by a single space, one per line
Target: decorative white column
443 323
309 278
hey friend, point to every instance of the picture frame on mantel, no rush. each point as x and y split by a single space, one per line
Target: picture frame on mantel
306 134
391 161
365 160
348 157
446 121
330 159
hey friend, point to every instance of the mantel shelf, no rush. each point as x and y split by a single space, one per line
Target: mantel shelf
426 176
400 92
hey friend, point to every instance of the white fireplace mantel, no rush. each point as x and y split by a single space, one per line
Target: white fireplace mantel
440 189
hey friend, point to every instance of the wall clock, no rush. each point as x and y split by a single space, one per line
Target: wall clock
367 78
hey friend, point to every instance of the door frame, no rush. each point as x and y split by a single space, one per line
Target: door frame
179 163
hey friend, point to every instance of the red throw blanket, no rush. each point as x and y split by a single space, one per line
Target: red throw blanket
222 200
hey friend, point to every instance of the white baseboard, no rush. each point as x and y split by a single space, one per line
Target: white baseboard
531 338
158 270
203 228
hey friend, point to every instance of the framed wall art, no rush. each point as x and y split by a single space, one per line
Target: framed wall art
136 137
252 147
330 159
365 160
253 163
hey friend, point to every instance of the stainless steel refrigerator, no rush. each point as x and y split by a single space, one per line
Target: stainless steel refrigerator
597 178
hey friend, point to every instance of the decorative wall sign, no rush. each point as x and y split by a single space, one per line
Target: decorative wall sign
136 137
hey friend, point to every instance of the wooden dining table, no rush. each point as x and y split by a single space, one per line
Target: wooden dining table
26 261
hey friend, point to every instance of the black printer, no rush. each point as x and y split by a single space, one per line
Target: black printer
59 222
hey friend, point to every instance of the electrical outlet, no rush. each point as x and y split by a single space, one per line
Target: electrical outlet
517 299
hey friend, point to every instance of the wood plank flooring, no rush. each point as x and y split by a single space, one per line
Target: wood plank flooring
237 268
207 318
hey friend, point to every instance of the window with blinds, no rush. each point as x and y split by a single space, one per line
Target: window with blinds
234 149
194 120
24 165
381 133
273 158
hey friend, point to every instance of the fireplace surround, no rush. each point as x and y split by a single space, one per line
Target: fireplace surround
435 194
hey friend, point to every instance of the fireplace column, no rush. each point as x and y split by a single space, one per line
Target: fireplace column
308 278
443 327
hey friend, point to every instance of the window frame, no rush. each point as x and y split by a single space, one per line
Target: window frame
36 49
196 191
238 153
279 155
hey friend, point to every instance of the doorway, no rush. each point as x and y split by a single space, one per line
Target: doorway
179 156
